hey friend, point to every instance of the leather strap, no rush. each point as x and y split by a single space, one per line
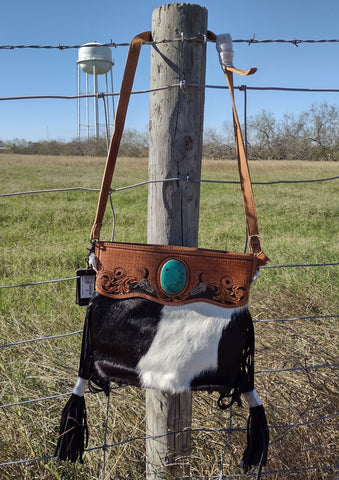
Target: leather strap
119 122
244 174
245 179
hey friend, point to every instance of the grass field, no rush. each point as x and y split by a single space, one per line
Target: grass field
44 236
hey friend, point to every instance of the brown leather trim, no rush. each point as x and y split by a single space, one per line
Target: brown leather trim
119 123
246 184
126 270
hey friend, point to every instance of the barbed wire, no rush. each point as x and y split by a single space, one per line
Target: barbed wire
195 38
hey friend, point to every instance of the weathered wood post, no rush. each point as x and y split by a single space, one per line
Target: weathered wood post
175 134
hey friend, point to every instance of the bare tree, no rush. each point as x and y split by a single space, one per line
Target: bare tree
263 130
311 135
219 145
324 131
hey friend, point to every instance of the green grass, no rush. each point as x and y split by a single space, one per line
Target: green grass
45 236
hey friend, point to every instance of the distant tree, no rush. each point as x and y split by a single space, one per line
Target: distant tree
263 135
134 144
219 145
323 131
311 135
291 142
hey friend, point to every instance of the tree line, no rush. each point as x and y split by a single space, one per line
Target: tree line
133 144
310 135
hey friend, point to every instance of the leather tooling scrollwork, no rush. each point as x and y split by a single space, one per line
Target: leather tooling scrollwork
119 282
227 292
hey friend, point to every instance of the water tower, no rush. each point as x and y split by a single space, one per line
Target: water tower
95 59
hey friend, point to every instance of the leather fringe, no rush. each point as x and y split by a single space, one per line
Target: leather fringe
245 380
257 440
73 434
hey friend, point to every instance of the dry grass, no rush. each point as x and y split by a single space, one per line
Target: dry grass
45 236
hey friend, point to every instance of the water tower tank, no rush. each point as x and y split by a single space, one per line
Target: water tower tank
96 55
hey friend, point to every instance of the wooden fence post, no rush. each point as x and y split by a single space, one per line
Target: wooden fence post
175 133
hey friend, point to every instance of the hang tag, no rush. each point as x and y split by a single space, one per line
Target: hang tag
85 285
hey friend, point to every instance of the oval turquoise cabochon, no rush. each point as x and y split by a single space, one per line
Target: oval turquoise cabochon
173 277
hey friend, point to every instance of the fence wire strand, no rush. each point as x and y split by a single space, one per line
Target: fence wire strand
228 430
164 180
78 332
200 37
166 87
297 265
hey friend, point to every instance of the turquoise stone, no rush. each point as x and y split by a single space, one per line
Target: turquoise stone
173 277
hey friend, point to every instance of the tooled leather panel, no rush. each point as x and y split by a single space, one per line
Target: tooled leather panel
137 270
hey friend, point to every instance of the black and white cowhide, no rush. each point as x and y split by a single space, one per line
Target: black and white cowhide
198 346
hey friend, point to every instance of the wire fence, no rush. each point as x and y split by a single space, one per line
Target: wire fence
197 38
105 445
298 368
104 95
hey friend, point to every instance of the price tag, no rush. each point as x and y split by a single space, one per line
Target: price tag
85 285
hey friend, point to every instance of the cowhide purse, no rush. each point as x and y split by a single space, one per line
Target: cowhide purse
169 317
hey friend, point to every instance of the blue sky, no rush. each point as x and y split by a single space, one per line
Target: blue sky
74 22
